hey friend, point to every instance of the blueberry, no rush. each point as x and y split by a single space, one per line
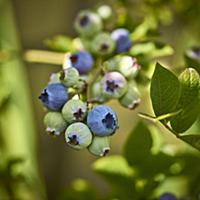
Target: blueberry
167 196
131 99
81 60
122 40
55 123
102 120
74 110
114 85
102 44
100 146
54 96
88 23
194 53
78 136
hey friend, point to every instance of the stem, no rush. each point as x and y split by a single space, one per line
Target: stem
48 57
93 78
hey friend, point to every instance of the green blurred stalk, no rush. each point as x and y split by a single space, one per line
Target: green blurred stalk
18 133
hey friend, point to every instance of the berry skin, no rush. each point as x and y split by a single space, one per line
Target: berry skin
88 23
81 60
103 44
78 136
105 12
74 111
194 53
54 78
122 40
54 96
100 146
114 85
55 123
102 121
167 196
70 77
131 99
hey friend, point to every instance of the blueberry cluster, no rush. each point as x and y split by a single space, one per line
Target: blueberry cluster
73 95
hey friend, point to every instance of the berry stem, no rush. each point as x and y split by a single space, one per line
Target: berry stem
41 56
94 77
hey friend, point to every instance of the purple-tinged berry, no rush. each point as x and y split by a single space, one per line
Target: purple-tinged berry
88 23
55 123
78 136
102 121
100 146
81 60
122 40
74 111
194 53
54 96
114 85
167 196
131 99
103 44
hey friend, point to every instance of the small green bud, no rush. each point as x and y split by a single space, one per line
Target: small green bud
55 123
74 110
70 77
88 23
100 146
78 136
131 99
103 44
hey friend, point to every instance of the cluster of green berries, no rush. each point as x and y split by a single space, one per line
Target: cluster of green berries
71 110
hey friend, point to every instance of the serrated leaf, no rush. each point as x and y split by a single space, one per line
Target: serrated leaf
118 173
193 140
165 91
138 145
189 101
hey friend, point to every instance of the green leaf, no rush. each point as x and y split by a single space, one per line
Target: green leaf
117 172
59 43
165 91
189 101
151 50
193 140
138 145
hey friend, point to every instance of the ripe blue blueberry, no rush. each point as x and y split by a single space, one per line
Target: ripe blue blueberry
54 96
88 23
194 53
122 40
78 136
102 121
167 196
81 60
114 85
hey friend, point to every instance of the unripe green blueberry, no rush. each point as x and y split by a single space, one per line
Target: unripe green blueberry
78 136
100 146
103 44
88 23
131 99
114 85
74 110
105 12
96 93
70 77
126 65
55 78
55 123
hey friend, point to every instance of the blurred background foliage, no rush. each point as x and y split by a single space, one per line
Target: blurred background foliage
34 165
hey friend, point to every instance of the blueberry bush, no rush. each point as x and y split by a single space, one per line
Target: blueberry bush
115 57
